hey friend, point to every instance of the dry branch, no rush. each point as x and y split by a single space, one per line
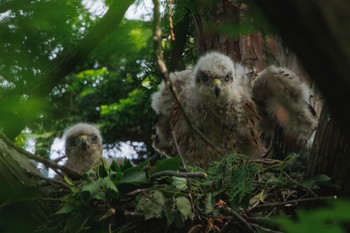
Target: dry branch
39 159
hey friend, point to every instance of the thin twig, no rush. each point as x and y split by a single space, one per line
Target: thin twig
301 185
137 191
59 158
295 201
39 159
133 214
157 44
182 160
51 180
264 228
238 217
180 174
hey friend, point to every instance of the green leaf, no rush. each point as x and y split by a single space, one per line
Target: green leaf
209 204
91 187
328 219
66 208
68 181
169 216
179 182
322 179
310 183
133 175
108 184
115 166
87 91
183 205
151 205
167 164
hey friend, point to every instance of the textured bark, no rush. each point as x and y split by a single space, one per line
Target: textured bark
19 193
330 153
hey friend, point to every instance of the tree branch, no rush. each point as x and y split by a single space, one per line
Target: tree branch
46 162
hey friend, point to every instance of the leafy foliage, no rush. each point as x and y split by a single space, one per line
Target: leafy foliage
324 220
118 198
107 188
236 175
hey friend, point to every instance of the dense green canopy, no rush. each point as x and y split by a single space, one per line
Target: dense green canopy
62 63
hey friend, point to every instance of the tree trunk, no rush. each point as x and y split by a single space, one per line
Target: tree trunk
330 153
20 208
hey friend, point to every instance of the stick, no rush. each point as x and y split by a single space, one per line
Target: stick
299 184
294 201
238 217
180 174
39 159
179 151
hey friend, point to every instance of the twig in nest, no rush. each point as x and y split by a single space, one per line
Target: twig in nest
264 229
301 185
46 162
179 151
137 191
295 201
157 44
238 217
133 214
180 174
51 180
266 161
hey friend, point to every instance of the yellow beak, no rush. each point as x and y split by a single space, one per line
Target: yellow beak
217 86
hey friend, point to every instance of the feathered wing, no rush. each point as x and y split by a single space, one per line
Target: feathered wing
282 100
168 112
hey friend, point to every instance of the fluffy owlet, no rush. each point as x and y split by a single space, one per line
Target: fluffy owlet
83 146
219 102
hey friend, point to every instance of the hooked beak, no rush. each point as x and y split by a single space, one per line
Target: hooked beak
83 141
217 87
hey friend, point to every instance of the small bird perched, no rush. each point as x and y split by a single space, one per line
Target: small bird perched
217 98
83 146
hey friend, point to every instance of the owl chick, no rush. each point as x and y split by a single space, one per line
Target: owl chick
215 98
83 146
220 101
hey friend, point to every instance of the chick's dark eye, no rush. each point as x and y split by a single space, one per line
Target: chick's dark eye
72 142
228 77
204 77
94 139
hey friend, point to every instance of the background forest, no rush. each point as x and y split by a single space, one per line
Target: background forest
64 62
